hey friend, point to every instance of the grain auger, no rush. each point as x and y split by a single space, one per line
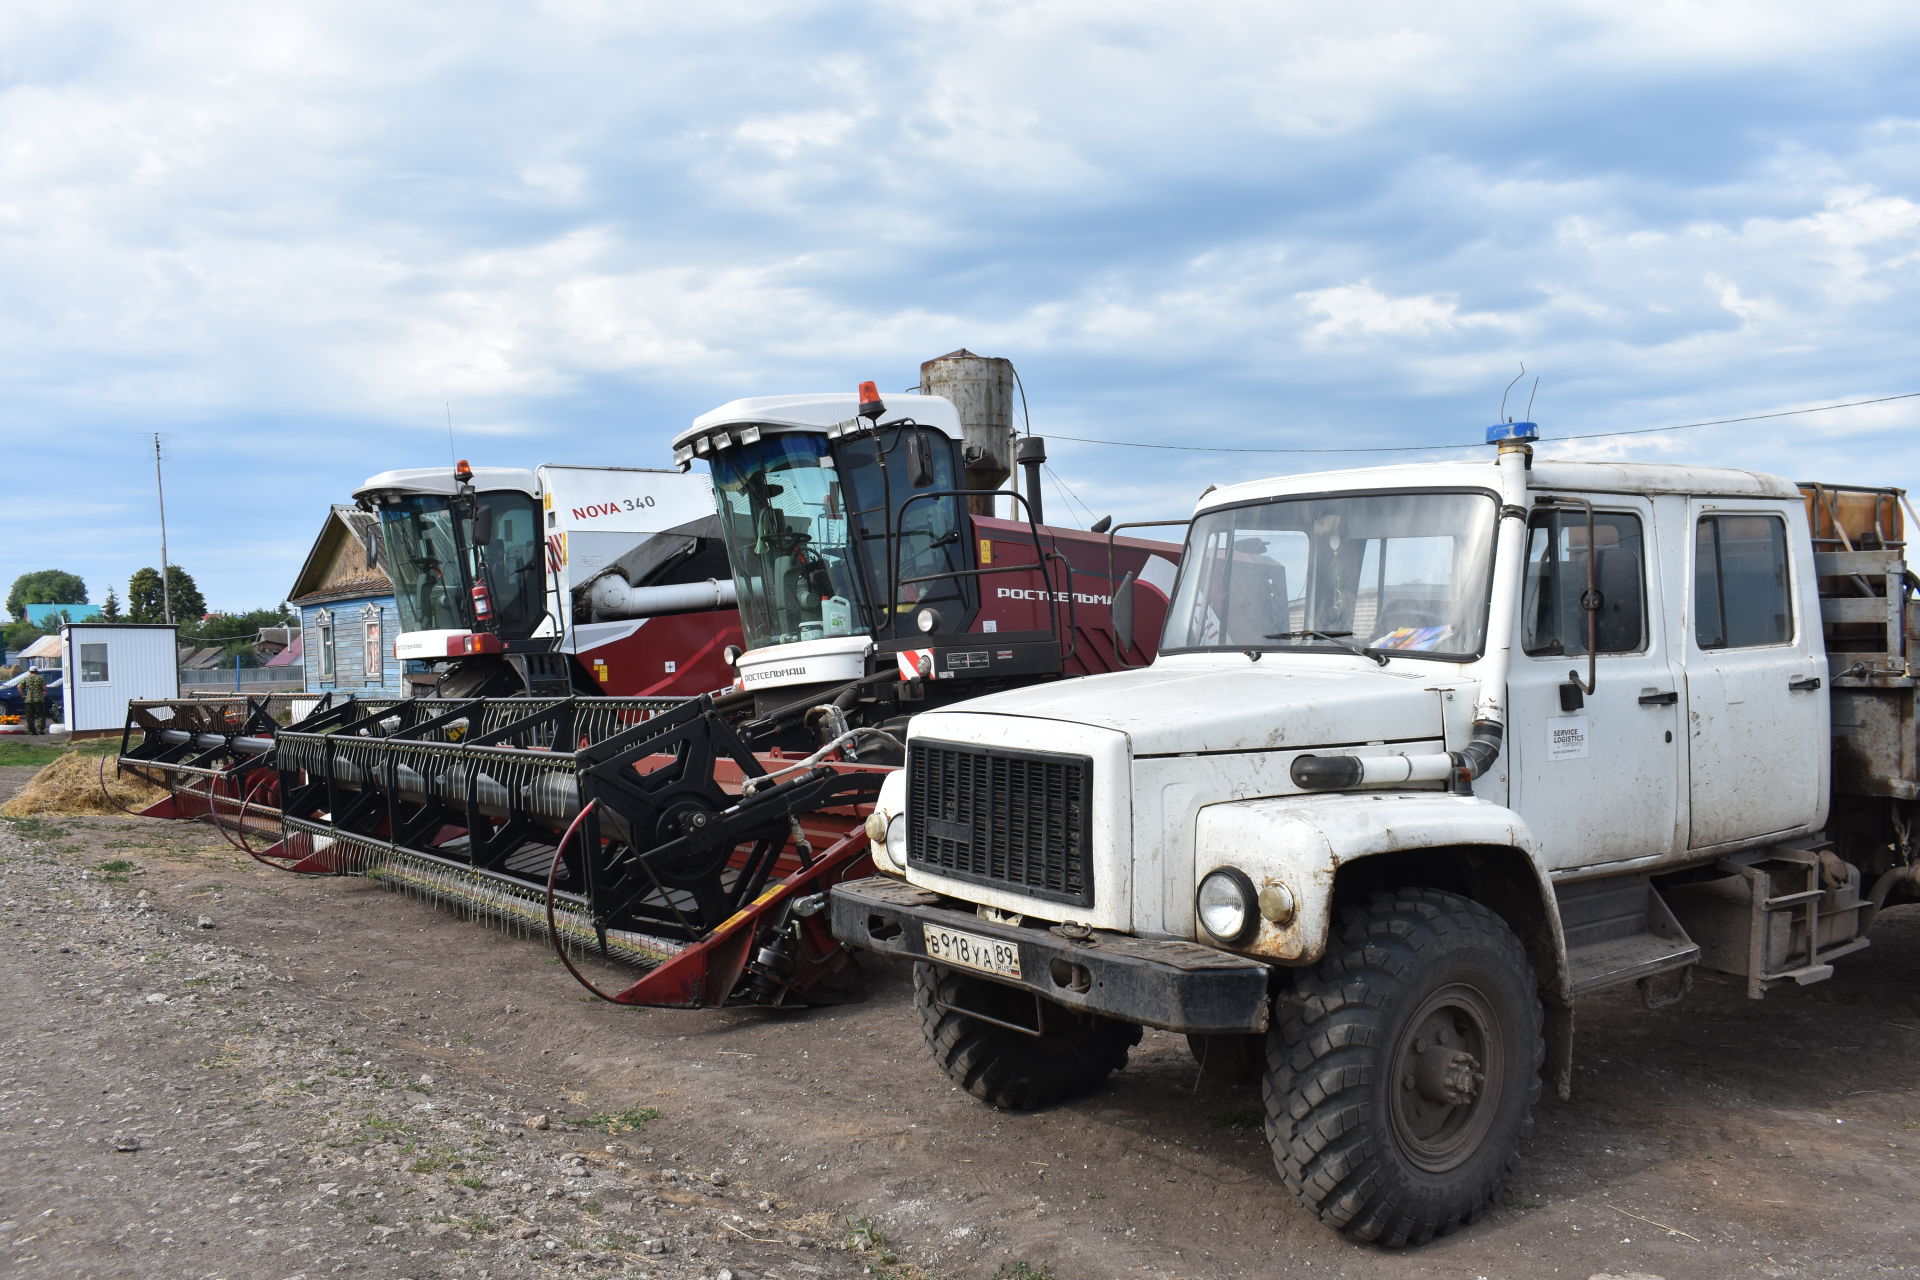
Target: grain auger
640 831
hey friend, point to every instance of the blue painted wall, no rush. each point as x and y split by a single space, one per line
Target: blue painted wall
351 670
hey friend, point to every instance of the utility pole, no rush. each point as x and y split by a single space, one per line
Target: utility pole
166 592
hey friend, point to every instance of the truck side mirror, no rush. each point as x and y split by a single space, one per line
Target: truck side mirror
1123 612
919 461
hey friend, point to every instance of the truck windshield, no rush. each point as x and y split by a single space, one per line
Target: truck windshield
1391 572
784 517
428 586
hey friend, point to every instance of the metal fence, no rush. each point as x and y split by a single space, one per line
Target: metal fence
248 679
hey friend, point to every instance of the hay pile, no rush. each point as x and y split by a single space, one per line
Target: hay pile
70 787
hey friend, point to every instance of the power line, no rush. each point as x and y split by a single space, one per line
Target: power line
1430 448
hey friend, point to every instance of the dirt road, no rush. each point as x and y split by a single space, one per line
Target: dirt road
336 1078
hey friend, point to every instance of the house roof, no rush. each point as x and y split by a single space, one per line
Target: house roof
204 659
44 647
344 523
289 656
41 614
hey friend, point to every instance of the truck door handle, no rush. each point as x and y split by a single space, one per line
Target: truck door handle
1666 699
1804 682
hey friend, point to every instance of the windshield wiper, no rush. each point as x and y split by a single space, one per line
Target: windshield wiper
1334 638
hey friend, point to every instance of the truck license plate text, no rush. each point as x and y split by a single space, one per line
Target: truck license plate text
971 951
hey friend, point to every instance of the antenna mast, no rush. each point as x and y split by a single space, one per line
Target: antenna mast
166 590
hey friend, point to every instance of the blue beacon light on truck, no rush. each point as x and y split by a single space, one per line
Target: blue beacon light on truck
1523 431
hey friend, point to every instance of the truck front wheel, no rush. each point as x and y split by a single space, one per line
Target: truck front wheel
1072 1053
1403 1068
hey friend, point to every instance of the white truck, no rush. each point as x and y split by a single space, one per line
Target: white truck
1427 753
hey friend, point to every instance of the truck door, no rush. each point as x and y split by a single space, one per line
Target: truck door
1596 774
1755 675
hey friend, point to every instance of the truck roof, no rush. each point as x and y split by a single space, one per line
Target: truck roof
817 411
1643 478
439 480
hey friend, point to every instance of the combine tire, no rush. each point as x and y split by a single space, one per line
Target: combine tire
1012 1070
1403 1068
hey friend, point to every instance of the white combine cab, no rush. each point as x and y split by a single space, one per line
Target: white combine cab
557 580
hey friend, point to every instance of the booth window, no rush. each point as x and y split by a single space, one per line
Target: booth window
93 663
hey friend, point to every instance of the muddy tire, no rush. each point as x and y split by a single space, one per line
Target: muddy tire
1402 1070
1009 1069
1229 1059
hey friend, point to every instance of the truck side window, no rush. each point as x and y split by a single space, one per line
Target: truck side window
1740 589
1554 623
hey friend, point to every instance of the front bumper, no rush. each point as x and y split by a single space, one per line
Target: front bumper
1178 986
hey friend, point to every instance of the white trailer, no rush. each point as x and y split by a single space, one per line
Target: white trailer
109 665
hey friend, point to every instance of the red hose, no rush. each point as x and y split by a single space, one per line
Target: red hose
553 926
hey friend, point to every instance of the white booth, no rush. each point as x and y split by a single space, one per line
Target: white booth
110 665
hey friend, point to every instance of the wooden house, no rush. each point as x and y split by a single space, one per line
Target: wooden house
348 620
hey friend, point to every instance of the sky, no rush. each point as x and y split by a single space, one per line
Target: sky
299 240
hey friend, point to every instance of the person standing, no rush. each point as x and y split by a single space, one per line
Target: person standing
33 691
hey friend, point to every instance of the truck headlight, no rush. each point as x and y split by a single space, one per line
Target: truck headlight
887 832
1225 905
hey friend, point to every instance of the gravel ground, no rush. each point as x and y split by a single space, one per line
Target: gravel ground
166 1111
335 1078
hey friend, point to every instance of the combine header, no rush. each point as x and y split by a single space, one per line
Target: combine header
695 838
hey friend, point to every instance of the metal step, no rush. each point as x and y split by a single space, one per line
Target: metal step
1615 962
1618 931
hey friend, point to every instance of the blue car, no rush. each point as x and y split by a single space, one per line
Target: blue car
12 703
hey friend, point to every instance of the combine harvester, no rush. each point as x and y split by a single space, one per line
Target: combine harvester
695 839
544 583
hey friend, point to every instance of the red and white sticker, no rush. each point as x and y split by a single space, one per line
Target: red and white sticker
911 662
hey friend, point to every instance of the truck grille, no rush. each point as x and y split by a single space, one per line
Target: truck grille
1010 819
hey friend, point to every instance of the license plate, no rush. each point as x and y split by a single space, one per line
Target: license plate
971 951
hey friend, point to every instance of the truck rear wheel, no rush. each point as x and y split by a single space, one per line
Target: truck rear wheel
1403 1069
1073 1054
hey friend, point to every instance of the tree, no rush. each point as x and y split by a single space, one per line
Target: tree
19 635
146 604
45 586
110 611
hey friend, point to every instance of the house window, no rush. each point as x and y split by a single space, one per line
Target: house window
323 626
93 664
374 660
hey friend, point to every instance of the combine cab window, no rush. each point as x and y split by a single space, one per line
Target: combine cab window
932 531
427 581
511 562
807 522
784 514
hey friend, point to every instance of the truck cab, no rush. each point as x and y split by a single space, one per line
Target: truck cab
1426 753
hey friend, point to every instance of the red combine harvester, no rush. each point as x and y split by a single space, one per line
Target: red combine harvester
509 583
695 839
